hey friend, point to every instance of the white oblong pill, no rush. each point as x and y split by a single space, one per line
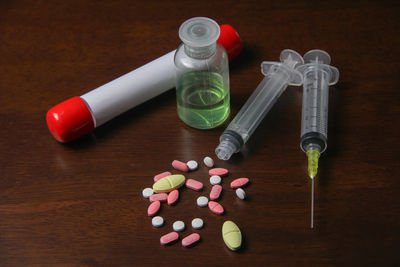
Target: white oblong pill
147 192
157 221
197 223
240 193
192 165
209 162
215 179
178 226
202 201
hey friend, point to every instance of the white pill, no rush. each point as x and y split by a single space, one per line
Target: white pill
215 179
157 221
197 223
178 226
240 193
147 192
202 201
192 165
208 162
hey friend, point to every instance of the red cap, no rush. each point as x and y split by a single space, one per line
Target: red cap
230 39
69 120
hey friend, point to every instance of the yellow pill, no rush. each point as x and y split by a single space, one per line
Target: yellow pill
231 235
169 183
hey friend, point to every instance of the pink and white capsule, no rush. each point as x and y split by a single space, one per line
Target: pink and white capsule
215 192
169 238
239 182
179 165
161 175
173 197
153 208
190 239
215 207
194 185
218 171
159 197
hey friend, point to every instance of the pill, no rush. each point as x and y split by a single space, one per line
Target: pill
161 175
192 165
197 223
209 162
169 238
231 235
215 192
179 165
218 171
215 207
157 221
153 208
178 226
202 201
173 197
239 182
215 179
159 197
240 193
169 183
190 240
147 192
193 184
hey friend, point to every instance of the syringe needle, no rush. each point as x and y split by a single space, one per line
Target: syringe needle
312 203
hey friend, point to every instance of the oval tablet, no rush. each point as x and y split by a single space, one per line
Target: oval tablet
192 165
159 197
215 192
218 171
153 208
190 239
179 165
239 182
169 238
209 162
231 235
194 185
202 201
240 193
169 183
161 175
173 197
215 207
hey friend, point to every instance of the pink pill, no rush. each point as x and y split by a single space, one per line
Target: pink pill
215 207
159 197
179 165
173 197
215 192
161 175
193 184
169 238
153 208
218 171
190 239
239 182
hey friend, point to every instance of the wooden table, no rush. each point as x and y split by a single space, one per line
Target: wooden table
80 203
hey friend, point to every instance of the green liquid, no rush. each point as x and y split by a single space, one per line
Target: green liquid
203 100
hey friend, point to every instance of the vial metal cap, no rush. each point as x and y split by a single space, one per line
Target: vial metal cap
199 32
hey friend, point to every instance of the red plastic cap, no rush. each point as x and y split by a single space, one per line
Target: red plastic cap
69 120
230 39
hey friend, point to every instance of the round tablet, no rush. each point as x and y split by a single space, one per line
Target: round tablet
240 193
202 201
215 179
197 223
178 226
157 221
209 162
147 192
192 164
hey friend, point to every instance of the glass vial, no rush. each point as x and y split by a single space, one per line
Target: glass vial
202 75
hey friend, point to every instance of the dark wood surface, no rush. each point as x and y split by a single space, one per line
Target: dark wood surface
81 203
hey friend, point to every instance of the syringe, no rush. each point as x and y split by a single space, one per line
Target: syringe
278 75
317 76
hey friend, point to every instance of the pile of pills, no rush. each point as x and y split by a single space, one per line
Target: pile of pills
166 189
